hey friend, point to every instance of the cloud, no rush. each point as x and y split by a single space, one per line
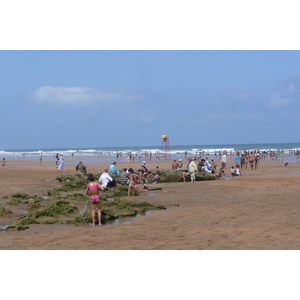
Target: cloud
286 95
236 96
81 95
279 99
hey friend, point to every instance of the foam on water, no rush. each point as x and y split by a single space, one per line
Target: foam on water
175 151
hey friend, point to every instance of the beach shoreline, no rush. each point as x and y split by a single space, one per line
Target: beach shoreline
258 210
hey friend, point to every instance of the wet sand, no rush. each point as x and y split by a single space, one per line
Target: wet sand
258 210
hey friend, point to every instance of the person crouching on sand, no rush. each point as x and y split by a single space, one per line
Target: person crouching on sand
237 170
144 187
232 171
92 190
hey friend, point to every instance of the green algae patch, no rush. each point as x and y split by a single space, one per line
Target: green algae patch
61 206
58 221
77 196
27 219
14 201
23 222
18 198
110 214
17 227
118 191
20 195
118 208
5 212
34 203
51 222
57 208
176 176
70 182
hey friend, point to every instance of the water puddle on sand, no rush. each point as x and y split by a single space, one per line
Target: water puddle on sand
122 220
126 220
4 227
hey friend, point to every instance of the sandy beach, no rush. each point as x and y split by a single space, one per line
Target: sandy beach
258 210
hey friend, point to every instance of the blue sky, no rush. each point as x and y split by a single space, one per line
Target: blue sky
129 98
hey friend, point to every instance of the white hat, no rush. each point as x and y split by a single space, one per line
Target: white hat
179 159
144 162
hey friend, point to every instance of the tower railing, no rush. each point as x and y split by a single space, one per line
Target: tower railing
166 148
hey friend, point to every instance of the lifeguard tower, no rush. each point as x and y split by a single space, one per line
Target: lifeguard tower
165 147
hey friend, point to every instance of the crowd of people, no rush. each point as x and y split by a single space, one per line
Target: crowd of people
126 177
248 160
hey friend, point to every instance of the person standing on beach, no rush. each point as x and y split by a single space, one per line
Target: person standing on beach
192 170
238 159
3 162
131 185
243 161
92 190
57 159
256 161
251 160
223 160
61 166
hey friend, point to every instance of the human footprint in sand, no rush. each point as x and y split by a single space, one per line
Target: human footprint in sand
92 190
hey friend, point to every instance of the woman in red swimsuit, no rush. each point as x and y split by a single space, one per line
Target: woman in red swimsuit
92 190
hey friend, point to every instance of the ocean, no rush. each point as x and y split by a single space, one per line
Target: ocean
106 154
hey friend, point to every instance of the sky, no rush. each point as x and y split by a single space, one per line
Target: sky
122 98
229 88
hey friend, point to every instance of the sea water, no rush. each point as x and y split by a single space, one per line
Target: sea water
109 154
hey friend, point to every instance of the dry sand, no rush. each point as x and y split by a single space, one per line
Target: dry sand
259 210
